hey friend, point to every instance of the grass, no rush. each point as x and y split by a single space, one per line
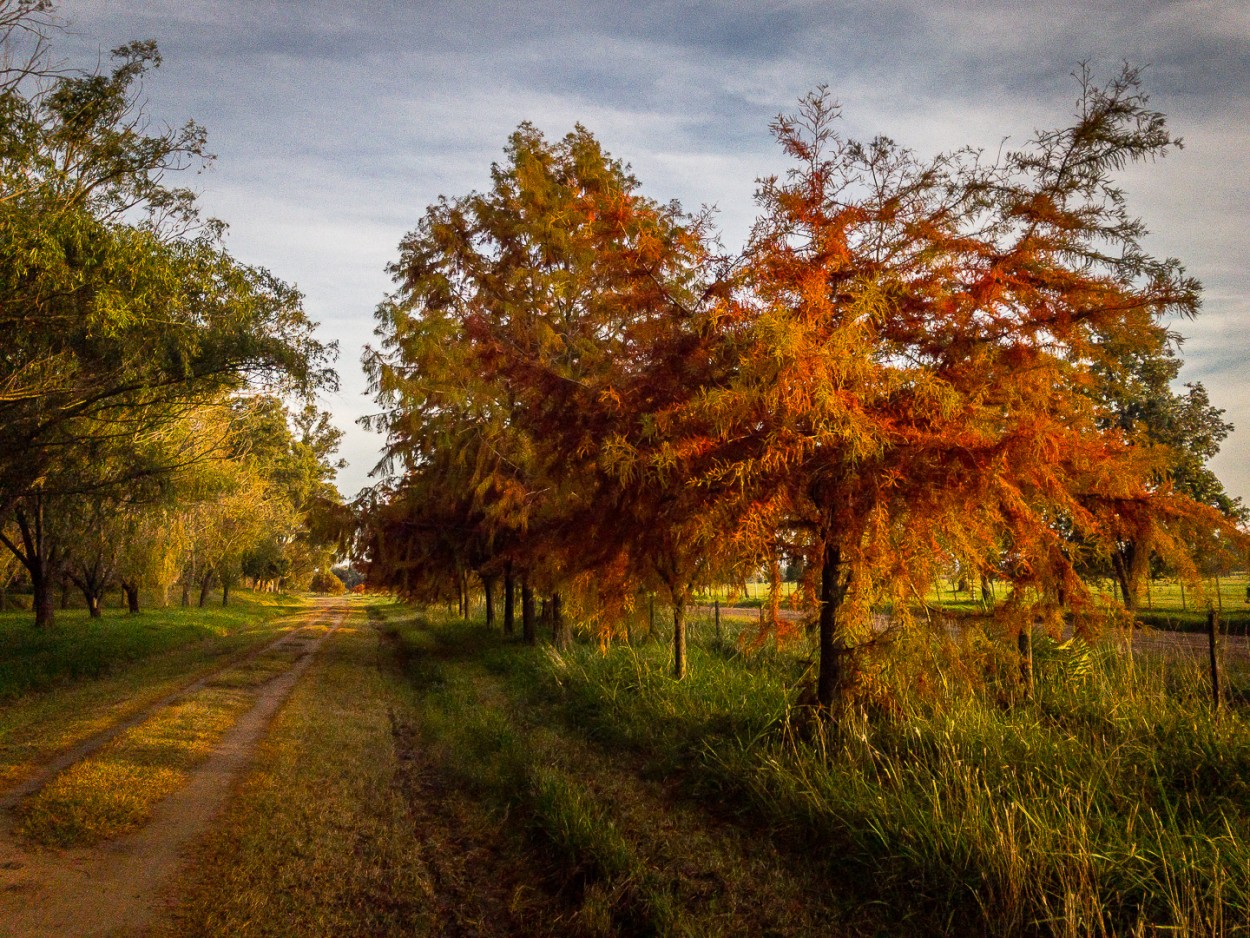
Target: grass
63 685
318 840
620 855
429 777
1166 604
113 791
418 781
1110 804
79 648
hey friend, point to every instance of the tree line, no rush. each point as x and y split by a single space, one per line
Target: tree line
145 434
913 365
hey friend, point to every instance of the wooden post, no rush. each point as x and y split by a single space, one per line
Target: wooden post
1219 600
716 606
1213 626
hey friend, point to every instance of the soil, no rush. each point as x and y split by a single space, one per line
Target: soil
116 888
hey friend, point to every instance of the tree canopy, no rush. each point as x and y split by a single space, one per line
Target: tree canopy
912 363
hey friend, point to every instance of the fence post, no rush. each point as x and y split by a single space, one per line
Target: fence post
1213 624
717 607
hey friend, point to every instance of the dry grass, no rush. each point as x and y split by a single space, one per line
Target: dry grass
37 725
318 840
113 792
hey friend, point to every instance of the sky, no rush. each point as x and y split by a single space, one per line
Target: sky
335 124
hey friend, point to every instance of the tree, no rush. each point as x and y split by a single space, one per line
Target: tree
524 315
118 307
120 313
914 340
1137 398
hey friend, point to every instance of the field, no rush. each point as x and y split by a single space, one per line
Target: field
427 776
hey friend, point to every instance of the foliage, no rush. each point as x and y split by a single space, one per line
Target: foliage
122 318
532 323
916 366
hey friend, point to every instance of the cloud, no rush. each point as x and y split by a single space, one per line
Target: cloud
336 124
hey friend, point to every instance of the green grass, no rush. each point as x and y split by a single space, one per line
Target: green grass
1166 604
62 685
618 853
1110 804
79 648
428 777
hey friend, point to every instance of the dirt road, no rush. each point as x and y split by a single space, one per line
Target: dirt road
115 888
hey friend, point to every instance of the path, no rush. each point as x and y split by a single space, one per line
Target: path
115 888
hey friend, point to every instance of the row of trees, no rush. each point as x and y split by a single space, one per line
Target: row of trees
141 436
913 363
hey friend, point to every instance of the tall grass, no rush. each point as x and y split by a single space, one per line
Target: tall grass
1114 801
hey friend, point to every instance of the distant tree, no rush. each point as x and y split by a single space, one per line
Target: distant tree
1135 390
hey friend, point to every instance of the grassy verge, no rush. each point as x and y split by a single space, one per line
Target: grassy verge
620 854
113 791
83 676
79 648
318 840
1114 803
470 785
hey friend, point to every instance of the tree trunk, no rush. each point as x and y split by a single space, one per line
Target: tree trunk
132 596
488 584
832 677
1122 561
561 629
65 585
528 629
679 636
205 585
45 609
38 555
186 593
225 592
509 605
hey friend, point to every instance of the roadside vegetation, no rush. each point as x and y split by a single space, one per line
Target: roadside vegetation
159 433
63 685
584 792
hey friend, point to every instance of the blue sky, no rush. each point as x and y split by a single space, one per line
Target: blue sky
336 123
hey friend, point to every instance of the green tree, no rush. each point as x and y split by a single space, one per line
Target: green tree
119 310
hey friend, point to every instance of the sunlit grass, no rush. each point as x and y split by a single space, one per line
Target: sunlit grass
137 660
113 791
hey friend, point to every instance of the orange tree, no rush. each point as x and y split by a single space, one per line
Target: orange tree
525 332
914 343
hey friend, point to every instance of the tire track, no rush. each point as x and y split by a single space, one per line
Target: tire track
116 887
